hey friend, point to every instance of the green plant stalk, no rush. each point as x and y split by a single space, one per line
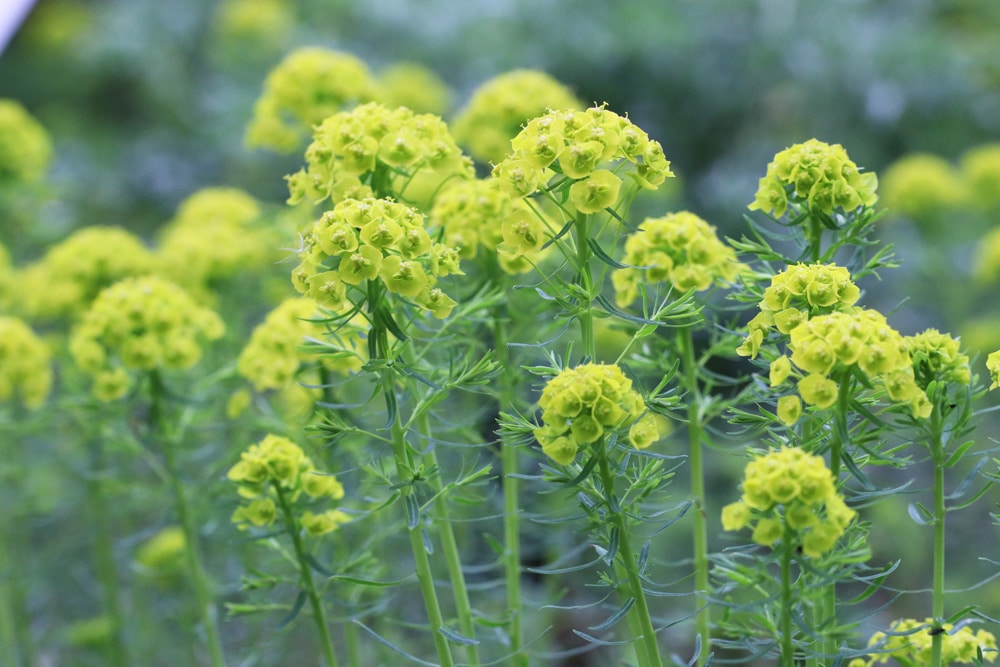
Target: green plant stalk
424 575
306 579
511 511
785 622
203 596
585 281
937 595
696 461
449 545
648 651
107 571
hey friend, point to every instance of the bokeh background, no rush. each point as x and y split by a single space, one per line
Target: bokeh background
147 101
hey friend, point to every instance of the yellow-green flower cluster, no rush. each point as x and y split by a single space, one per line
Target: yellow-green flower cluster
986 262
309 85
274 469
478 212
920 186
580 405
374 239
213 237
993 366
396 143
981 171
819 175
25 149
25 368
500 107
681 249
796 294
64 282
254 24
413 86
909 641
162 555
937 357
790 488
581 145
825 346
140 324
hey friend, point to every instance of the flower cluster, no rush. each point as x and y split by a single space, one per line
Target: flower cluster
788 488
412 85
499 108
161 557
921 185
909 642
937 357
796 294
579 145
580 405
819 175
981 171
374 239
395 143
993 366
277 469
478 212
213 237
25 149
825 346
309 85
64 282
25 371
141 324
986 263
257 24
681 249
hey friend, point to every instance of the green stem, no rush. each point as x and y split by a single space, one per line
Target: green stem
203 596
306 578
585 281
107 571
511 510
424 575
449 545
937 596
648 650
700 528
785 627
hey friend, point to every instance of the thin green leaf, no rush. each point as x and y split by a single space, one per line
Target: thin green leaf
296 607
612 620
456 637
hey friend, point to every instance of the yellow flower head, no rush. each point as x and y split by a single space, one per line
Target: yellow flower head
790 488
921 187
937 357
309 85
140 324
25 366
499 108
414 86
579 405
25 149
681 249
910 642
816 175
981 172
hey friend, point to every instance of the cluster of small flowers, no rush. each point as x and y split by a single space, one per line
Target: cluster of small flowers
256 24
213 237
993 366
576 144
25 149
579 405
350 144
25 369
790 488
796 294
858 337
909 641
64 282
478 212
374 239
937 357
681 249
274 466
161 557
309 85
144 323
922 185
500 107
981 170
414 86
819 175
